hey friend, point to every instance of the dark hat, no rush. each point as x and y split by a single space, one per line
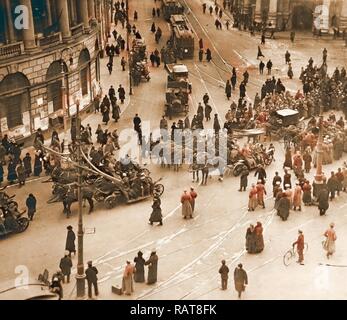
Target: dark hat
240 265
90 263
69 228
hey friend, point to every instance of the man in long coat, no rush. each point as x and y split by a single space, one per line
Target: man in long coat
92 279
244 179
332 185
283 207
70 241
250 239
152 264
187 211
261 173
127 282
300 245
139 275
224 273
31 205
260 193
240 279
297 197
156 215
65 267
323 201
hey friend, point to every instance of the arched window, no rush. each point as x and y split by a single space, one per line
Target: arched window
84 65
14 100
54 85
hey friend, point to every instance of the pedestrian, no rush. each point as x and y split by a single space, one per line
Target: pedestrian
106 115
240 279
65 267
216 124
31 205
204 6
297 196
253 202
300 245
127 282
332 185
224 273
187 211
121 94
323 200
261 173
153 28
21 174
92 279
208 111
136 16
228 89
283 206
208 55
250 239
201 55
263 39
211 10
137 123
56 286
153 13
292 36
27 165
1 173
158 12
329 243
260 54
259 238
156 215
269 66
110 67
244 179
123 63
193 196
261 67
70 241
11 174
260 193
307 193
227 24
139 275
152 264
287 179
287 57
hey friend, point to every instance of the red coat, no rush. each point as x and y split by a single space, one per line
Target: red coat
193 195
186 197
300 243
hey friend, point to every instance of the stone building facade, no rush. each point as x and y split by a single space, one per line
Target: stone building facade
296 14
45 68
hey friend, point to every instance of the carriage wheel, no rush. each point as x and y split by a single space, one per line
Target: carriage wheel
159 190
288 258
238 169
111 202
23 224
146 172
268 161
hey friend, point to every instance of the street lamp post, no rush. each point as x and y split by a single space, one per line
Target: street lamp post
80 277
128 50
318 178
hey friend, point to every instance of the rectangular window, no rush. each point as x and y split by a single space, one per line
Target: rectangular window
84 81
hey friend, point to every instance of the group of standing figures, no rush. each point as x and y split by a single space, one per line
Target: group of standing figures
254 238
137 272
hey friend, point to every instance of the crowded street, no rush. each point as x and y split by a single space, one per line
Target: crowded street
192 238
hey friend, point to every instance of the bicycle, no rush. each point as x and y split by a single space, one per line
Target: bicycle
291 254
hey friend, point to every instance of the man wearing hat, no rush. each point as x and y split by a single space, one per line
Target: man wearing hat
297 197
70 241
300 245
65 266
92 279
224 273
240 279
156 215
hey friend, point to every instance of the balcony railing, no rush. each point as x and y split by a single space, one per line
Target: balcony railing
50 40
77 31
11 50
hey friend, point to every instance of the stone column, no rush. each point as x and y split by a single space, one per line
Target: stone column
10 26
49 12
91 8
64 22
343 16
258 11
84 14
273 12
29 33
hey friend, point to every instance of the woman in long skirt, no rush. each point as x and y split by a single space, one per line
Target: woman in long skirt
329 244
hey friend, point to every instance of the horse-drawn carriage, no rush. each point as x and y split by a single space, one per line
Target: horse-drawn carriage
177 91
138 62
11 220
